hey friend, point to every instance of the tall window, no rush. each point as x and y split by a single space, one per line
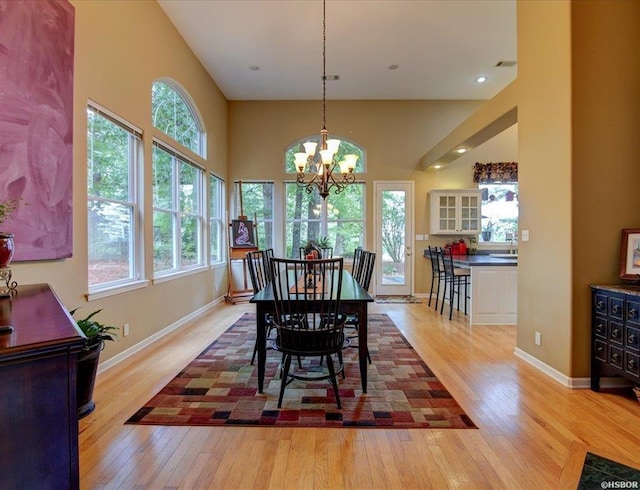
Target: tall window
499 185
216 219
114 237
177 212
339 218
174 116
257 203
178 181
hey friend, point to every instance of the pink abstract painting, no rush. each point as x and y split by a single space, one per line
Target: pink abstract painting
36 125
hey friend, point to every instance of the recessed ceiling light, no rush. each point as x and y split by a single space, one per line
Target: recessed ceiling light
461 150
394 67
437 166
254 68
481 79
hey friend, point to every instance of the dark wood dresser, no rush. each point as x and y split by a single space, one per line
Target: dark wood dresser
615 332
38 410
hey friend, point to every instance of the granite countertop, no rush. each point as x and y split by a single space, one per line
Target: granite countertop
619 288
479 260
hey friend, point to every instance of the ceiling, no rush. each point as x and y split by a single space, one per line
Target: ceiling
440 47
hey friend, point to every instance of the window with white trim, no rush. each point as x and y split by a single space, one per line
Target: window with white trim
114 234
216 219
178 215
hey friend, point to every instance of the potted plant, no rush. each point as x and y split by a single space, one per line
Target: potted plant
317 244
487 232
7 208
97 333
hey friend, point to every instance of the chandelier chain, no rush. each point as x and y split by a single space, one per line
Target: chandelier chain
326 173
324 64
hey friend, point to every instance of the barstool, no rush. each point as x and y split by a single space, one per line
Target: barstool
453 279
437 274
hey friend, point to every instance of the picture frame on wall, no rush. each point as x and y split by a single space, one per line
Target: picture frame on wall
630 255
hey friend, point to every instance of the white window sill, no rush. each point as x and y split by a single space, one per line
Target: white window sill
178 274
99 293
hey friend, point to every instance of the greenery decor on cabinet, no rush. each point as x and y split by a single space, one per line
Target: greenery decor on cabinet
7 208
96 333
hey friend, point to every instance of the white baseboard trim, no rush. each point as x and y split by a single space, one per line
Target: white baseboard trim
108 364
575 383
541 366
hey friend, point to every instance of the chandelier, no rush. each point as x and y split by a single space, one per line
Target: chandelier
320 169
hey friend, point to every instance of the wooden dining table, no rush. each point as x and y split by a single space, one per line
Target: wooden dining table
353 300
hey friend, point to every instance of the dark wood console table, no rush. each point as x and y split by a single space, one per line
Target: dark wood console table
38 410
615 333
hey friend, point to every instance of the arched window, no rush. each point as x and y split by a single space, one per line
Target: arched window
346 147
175 115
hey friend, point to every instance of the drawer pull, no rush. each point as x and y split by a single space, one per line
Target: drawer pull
631 339
599 328
615 308
632 313
615 357
600 305
631 364
615 333
600 349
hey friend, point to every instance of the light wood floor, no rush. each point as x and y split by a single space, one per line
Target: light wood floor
533 433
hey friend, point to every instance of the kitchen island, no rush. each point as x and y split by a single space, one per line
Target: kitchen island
494 288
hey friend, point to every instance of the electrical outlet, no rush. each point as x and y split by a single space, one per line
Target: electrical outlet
525 235
538 338
125 329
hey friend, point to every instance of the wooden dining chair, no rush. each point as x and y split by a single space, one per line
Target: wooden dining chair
356 268
261 274
308 319
364 273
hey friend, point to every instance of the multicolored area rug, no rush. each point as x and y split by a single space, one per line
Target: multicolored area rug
219 388
397 299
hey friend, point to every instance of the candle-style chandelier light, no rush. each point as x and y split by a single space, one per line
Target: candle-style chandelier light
320 169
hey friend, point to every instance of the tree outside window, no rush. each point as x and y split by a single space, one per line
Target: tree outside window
257 205
216 219
177 212
112 148
339 218
172 115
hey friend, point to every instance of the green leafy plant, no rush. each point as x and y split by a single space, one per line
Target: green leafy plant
95 331
322 242
7 208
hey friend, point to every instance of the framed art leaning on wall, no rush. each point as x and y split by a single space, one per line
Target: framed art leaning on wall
630 255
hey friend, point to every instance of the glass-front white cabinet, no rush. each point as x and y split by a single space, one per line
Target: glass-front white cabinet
455 211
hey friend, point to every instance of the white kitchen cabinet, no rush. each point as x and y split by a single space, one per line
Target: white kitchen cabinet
494 295
456 212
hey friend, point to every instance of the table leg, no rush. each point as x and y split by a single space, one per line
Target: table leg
363 348
261 336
